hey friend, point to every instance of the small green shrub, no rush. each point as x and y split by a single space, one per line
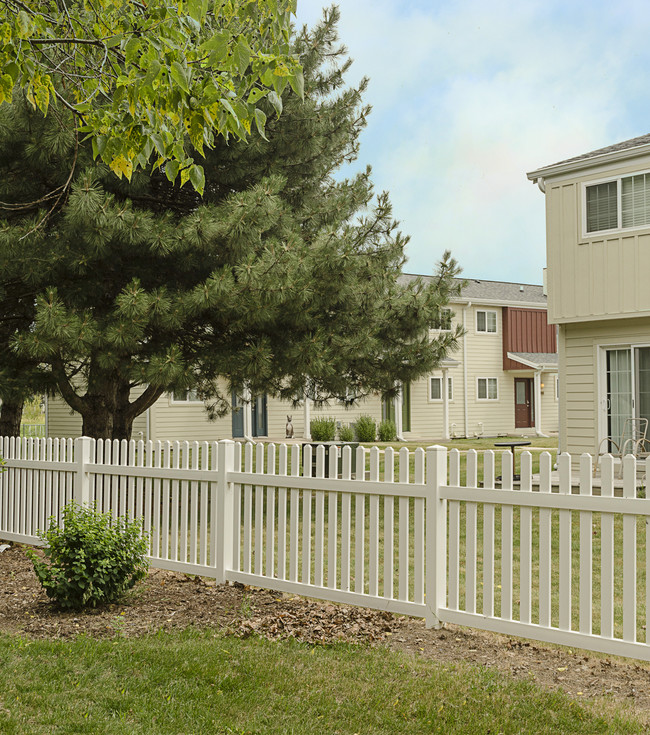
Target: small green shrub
346 433
92 559
323 430
366 429
387 431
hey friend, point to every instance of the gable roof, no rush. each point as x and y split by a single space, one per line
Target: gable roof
624 149
493 292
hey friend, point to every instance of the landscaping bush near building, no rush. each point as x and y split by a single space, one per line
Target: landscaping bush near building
387 431
91 559
346 433
366 429
323 430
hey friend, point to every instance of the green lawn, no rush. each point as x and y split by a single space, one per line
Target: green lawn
195 683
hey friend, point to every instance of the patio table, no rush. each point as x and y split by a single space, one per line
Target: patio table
512 444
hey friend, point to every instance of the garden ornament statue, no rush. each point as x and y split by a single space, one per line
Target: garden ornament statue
288 433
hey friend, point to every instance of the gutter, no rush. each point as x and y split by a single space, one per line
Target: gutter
580 164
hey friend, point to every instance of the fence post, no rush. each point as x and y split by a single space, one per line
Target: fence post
81 488
436 535
225 509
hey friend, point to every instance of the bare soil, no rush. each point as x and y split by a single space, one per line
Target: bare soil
172 601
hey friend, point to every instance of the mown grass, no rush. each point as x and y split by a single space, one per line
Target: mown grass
196 683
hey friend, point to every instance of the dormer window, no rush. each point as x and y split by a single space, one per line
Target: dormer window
618 204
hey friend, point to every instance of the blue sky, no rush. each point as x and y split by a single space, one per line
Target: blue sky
468 96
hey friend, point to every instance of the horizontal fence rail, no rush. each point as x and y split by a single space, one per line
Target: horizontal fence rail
432 533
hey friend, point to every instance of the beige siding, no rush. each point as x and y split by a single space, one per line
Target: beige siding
582 387
593 276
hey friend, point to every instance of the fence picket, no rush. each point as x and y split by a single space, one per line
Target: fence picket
629 552
488 538
607 550
564 564
453 541
471 513
282 515
259 510
332 520
403 533
545 544
507 470
586 543
389 524
294 517
306 518
526 540
270 513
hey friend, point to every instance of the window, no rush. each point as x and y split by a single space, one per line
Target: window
486 321
442 321
621 203
435 389
185 396
487 389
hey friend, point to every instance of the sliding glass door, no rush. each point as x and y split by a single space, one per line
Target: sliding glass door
627 377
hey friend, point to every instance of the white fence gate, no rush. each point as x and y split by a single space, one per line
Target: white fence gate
404 534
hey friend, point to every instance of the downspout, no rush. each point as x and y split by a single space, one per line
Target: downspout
248 415
445 404
307 418
47 415
537 382
399 427
148 425
465 407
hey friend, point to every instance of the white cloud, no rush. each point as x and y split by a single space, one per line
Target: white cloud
469 95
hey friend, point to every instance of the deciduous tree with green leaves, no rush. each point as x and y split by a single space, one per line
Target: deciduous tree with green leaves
282 278
155 80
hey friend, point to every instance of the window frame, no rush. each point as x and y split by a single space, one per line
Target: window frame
487 391
450 389
595 234
186 400
496 321
444 310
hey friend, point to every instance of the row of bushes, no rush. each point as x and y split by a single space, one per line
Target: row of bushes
364 429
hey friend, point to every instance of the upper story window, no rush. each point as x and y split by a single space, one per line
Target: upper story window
442 320
185 396
618 204
486 321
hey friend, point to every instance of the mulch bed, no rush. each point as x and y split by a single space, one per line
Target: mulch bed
171 601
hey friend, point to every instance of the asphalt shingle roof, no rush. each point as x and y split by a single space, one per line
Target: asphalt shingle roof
622 146
503 291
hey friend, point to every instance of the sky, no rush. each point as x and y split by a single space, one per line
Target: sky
468 96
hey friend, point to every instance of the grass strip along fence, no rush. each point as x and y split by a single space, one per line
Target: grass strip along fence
430 533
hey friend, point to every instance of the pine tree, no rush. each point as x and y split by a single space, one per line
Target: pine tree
281 278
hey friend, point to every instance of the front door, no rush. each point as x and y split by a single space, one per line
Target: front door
259 416
524 403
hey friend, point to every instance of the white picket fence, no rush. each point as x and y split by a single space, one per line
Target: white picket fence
403 534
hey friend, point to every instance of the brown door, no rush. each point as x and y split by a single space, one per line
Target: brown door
524 408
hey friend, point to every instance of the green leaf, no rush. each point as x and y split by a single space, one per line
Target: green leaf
275 99
217 46
297 83
171 170
260 122
197 178
242 55
256 95
24 25
179 75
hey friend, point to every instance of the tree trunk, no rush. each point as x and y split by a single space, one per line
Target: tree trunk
11 415
97 419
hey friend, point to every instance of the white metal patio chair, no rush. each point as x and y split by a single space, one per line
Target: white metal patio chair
633 440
